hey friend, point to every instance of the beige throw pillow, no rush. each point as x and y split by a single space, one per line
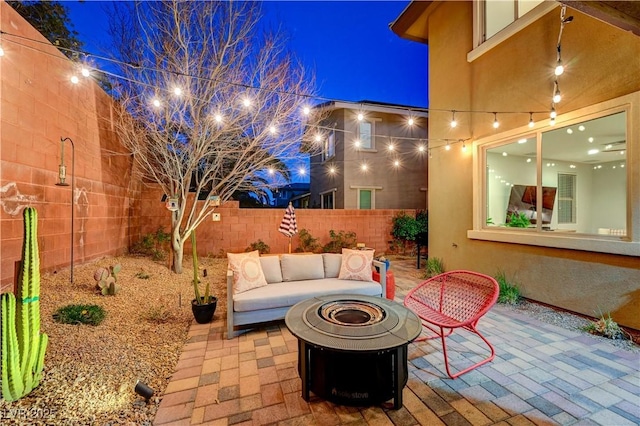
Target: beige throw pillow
247 271
356 265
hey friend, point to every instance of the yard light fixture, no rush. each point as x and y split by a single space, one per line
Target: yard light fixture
496 123
143 390
453 123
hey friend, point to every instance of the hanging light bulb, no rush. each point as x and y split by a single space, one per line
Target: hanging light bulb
553 113
1 51
556 93
552 122
411 121
332 170
453 123
531 123
218 118
396 163
421 148
75 79
306 111
559 67
156 102
464 147
360 116
273 130
85 72
391 147
363 167
447 147
246 102
356 143
177 91
318 137
302 171
496 123
271 171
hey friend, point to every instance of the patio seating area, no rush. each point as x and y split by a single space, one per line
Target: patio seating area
542 374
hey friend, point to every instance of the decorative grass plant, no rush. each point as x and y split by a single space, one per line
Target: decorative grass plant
509 292
80 314
607 327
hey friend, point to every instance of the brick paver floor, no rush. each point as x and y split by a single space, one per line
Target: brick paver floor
542 375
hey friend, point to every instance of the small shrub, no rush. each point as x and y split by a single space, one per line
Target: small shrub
435 266
158 314
154 244
307 243
259 245
79 314
339 240
107 280
605 326
509 293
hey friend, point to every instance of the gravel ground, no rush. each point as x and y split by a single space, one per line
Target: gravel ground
90 372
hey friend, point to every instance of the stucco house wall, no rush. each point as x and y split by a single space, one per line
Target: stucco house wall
516 75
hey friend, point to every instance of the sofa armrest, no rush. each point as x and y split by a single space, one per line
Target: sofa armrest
230 333
382 266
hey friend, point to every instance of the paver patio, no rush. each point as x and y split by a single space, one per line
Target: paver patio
542 375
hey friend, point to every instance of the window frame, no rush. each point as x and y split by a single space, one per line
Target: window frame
481 46
373 190
372 121
329 150
574 184
624 245
323 194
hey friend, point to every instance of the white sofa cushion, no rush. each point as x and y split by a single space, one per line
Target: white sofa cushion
271 269
247 271
289 293
332 262
356 265
301 267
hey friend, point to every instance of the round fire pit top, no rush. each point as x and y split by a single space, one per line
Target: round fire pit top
352 322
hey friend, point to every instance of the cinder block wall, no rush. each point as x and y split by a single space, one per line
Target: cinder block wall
39 106
238 228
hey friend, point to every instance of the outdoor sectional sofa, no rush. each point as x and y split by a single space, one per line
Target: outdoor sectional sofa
292 278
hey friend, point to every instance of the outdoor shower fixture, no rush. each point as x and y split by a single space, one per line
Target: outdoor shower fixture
62 175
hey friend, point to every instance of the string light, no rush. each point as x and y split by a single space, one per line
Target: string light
306 110
218 118
273 130
177 91
496 123
411 121
531 123
360 116
421 148
75 79
453 123
396 163
552 122
156 102
1 51
556 93
464 147
447 147
246 102
553 114
364 167
390 147
318 137
85 72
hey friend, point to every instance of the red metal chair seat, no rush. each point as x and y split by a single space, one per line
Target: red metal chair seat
455 299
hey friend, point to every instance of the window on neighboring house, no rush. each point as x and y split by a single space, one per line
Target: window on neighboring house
365 199
568 183
365 134
327 199
566 198
329 149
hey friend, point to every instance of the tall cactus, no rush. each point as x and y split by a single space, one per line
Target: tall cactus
23 346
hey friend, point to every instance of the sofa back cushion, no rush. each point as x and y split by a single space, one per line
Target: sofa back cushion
271 269
298 267
332 262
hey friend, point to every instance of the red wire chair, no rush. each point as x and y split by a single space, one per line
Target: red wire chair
455 299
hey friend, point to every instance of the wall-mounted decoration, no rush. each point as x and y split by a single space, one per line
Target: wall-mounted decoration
214 200
172 204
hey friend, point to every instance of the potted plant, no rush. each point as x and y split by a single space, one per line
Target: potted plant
203 307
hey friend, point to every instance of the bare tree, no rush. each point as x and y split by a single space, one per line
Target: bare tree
212 106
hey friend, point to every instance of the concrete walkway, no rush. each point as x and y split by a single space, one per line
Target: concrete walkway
542 375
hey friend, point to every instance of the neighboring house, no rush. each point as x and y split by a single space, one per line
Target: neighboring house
577 180
372 157
296 193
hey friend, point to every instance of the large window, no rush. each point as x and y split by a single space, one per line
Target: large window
498 14
365 199
567 186
327 199
573 180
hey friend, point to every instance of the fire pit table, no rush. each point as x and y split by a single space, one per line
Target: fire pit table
352 349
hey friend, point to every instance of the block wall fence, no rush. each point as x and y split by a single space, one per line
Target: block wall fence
239 227
39 106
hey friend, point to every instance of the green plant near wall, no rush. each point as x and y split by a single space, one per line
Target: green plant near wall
23 345
518 220
259 245
605 326
339 240
435 266
155 244
307 243
509 291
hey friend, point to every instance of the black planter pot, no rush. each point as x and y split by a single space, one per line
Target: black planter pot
203 313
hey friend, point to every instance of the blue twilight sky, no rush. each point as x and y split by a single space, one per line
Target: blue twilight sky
349 44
